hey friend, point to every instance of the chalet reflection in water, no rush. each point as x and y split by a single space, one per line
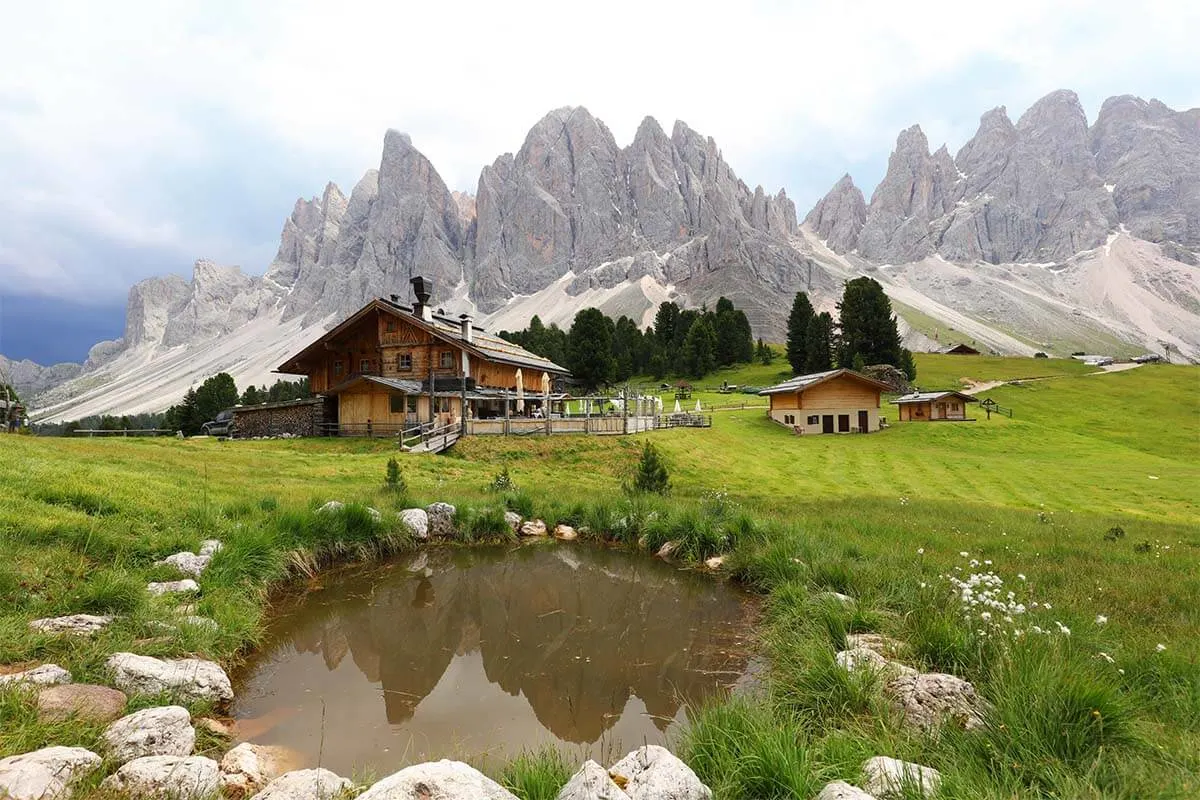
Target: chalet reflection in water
497 651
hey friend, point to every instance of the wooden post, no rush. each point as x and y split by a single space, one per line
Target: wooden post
506 416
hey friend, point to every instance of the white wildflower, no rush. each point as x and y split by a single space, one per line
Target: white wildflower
1158 648
1063 629
1020 576
1106 657
920 551
1101 619
964 553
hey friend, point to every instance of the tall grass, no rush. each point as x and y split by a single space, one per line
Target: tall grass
536 775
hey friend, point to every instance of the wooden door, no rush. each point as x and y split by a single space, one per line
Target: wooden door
827 423
843 423
864 421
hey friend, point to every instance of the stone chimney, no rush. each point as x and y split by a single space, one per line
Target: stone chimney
468 335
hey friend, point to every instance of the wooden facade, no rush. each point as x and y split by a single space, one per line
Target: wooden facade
837 401
391 367
933 406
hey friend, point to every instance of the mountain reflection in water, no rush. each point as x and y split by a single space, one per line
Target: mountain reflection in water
501 650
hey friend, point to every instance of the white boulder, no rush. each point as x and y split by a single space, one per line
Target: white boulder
176 777
667 549
533 527
891 777
513 519
930 699
714 563
185 586
884 645
73 624
441 519
652 773
188 679
248 768
187 563
417 522
565 532
438 780
836 597
840 790
45 774
333 506
860 659
591 782
210 547
45 675
161 731
305 784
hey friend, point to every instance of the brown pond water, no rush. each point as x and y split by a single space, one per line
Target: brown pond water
499 650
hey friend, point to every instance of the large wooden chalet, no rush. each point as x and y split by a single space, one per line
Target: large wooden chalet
834 401
391 366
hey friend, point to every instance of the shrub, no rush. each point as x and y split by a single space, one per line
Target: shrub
502 482
650 476
1114 533
537 775
394 479
268 504
1040 354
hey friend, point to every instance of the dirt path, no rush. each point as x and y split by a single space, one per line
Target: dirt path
987 386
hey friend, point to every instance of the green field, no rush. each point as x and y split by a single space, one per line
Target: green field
82 520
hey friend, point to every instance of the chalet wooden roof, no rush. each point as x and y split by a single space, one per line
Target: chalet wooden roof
482 344
930 397
802 382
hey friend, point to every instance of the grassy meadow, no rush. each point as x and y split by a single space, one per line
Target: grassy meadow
1086 502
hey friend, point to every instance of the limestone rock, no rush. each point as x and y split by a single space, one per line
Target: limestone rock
185 586
45 675
715 563
216 727
890 777
533 527
839 216
653 773
861 658
45 774
210 547
884 645
667 549
177 777
930 699
836 597
305 784
565 532
591 782
248 768
189 679
73 624
438 780
161 731
187 563
331 507
840 790
82 700
441 519
513 519
417 522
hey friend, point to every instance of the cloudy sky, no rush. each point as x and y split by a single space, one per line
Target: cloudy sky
136 137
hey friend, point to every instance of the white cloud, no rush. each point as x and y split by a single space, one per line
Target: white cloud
102 104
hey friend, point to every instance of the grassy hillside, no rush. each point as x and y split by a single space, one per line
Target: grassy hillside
880 517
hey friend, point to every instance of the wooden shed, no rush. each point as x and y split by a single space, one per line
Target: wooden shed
835 401
945 406
961 350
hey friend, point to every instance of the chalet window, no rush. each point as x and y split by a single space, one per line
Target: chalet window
404 362
814 419
396 403
446 359
391 326
411 403
441 405
789 419
337 368
364 366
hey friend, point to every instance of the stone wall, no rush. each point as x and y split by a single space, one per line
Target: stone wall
291 417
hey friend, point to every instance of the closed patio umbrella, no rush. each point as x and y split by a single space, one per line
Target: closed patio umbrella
520 393
698 409
678 410
546 394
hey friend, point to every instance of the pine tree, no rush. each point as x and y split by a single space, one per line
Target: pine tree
868 328
908 364
651 476
764 354
589 349
819 341
799 321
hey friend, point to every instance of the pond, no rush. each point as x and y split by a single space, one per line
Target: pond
480 653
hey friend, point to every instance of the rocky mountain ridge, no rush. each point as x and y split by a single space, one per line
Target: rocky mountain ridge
572 219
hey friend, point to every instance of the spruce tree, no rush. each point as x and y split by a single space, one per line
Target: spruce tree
868 328
698 356
799 321
819 341
651 476
589 349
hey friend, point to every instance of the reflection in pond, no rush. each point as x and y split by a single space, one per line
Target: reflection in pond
497 651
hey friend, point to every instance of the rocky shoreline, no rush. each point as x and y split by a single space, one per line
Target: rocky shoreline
150 752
